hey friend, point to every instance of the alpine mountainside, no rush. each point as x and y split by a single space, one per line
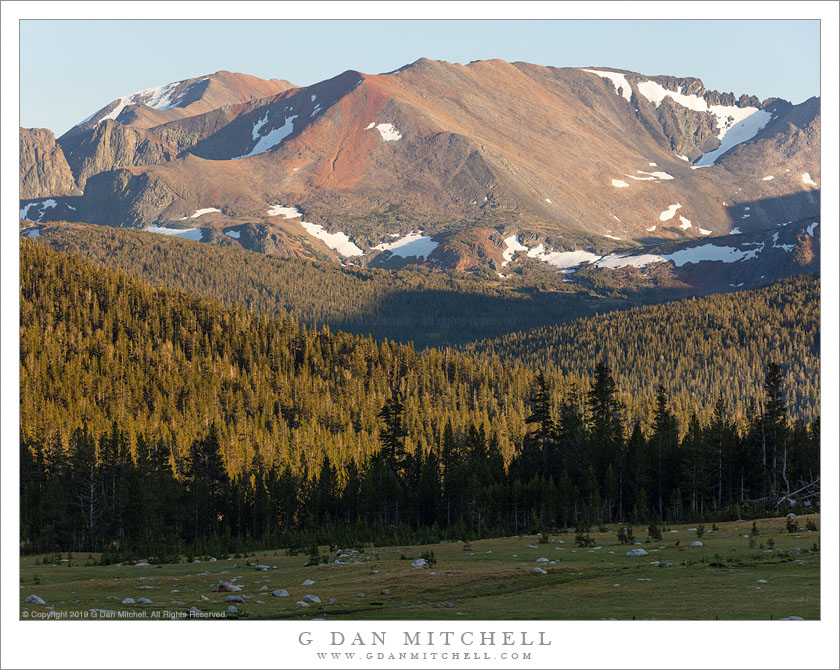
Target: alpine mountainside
482 165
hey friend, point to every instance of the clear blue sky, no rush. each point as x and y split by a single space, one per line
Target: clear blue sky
69 69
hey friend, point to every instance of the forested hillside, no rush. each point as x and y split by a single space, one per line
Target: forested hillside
698 348
424 307
166 422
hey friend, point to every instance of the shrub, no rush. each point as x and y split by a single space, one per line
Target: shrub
583 540
754 530
429 556
791 525
543 539
603 529
654 532
700 530
771 543
810 525
314 557
625 535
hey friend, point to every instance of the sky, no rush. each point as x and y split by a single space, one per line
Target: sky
70 69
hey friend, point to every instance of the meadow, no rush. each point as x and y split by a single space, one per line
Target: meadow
726 578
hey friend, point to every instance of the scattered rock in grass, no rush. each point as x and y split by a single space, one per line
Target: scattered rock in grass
610 552
203 598
419 563
144 588
636 552
111 598
532 546
231 609
332 600
697 543
385 592
263 588
643 579
234 599
360 595
142 565
36 600
311 599
259 602
227 587
540 571
449 605
194 610
174 591
145 601
488 552
542 560
790 515
374 572
616 584
300 603
212 560
307 582
280 593
262 567
791 618
128 601
761 581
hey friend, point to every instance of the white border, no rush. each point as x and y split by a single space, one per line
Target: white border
272 644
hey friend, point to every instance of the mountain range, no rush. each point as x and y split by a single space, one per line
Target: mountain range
490 165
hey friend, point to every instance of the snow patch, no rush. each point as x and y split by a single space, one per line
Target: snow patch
233 233
806 179
618 80
810 228
411 245
186 233
339 241
711 252
31 232
618 183
668 214
272 139
651 229
612 237
684 158
703 231
512 246
372 124
388 132
202 212
686 224
285 212
652 175
735 231
769 177
49 203
622 260
548 201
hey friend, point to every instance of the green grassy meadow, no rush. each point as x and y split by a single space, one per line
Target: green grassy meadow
492 579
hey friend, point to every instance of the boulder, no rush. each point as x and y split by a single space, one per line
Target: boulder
300 603
234 599
540 571
128 601
142 565
542 560
145 601
231 609
791 618
307 582
360 595
203 598
194 610
263 588
262 567
35 600
227 587
697 543
636 552
419 563
144 588
311 599
385 592
280 593
761 581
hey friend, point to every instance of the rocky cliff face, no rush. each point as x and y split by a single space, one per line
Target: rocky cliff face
111 145
43 168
